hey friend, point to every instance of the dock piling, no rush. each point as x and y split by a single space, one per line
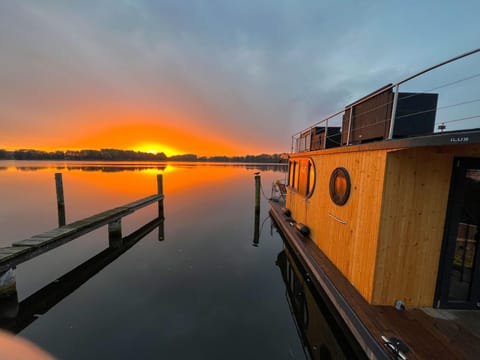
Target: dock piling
257 190
256 234
160 193
60 199
8 284
161 215
115 233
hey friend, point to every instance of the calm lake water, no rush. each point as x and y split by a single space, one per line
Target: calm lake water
203 292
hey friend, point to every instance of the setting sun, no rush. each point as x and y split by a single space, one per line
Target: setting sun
154 148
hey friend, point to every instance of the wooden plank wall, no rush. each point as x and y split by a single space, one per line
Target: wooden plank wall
346 234
416 192
388 250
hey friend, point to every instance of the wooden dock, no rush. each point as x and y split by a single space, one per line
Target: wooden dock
426 337
24 250
36 245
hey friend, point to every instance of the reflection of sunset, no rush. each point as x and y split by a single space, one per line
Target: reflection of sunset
138 182
144 182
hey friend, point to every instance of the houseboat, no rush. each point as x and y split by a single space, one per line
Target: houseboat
382 208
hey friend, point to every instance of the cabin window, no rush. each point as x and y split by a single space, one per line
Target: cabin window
296 174
306 177
340 186
311 178
291 172
301 176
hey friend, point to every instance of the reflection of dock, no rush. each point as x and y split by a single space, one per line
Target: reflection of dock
28 310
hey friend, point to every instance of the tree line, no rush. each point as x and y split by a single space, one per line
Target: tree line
129 155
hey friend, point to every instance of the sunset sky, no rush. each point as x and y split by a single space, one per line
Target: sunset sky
206 77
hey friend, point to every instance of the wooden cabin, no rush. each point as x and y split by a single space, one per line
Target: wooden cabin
384 198
382 210
386 237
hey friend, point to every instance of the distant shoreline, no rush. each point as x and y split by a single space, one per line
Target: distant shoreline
115 155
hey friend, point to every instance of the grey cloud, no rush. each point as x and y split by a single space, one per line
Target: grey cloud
260 70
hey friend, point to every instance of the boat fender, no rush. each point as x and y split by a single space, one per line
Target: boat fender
302 228
286 212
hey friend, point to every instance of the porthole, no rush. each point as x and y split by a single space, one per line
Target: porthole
340 186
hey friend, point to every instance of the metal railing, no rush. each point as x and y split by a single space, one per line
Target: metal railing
301 141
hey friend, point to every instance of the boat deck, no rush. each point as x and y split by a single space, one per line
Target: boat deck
428 333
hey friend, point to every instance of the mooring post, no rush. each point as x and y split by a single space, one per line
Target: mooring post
256 233
160 193
161 230
60 199
257 190
8 294
115 233
161 215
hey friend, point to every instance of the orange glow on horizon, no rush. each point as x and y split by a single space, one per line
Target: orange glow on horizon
157 138
146 137
154 148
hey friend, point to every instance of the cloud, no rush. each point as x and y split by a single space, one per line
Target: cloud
252 72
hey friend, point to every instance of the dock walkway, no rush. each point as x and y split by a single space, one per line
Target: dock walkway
24 250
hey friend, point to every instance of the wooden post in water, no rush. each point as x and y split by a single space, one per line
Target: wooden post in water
60 199
256 234
8 295
115 233
257 190
161 215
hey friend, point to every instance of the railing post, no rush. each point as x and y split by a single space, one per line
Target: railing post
394 112
349 125
60 199
115 233
326 135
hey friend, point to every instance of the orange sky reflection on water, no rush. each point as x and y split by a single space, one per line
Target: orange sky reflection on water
27 189
132 178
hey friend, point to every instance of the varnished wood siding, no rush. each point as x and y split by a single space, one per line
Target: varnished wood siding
351 246
413 214
390 246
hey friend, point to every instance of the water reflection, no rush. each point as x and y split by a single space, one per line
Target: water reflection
99 168
207 287
126 167
15 316
321 336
